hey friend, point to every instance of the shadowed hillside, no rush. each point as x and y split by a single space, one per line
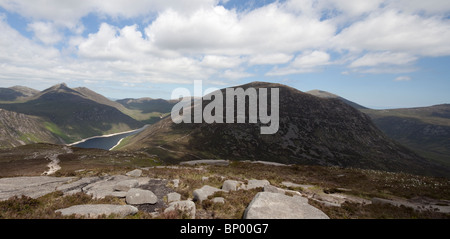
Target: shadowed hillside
312 130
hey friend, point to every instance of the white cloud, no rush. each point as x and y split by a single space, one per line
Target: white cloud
383 58
68 13
311 59
403 78
304 63
218 62
269 30
397 32
269 59
351 7
19 51
46 32
420 6
235 74
199 39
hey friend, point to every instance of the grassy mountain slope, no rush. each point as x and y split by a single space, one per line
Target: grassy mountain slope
312 131
147 110
426 130
18 129
73 115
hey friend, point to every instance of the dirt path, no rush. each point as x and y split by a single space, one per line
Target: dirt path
53 166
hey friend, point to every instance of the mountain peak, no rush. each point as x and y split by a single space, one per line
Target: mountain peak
322 94
327 95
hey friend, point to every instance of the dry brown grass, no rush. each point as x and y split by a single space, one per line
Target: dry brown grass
44 207
376 211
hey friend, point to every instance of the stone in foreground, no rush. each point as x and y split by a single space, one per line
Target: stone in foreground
187 207
134 173
204 192
96 210
231 185
137 196
257 183
266 205
173 197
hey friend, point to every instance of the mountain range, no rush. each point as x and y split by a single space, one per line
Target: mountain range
72 114
316 127
312 130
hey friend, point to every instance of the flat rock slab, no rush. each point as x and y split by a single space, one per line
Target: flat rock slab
77 185
96 210
266 205
204 192
104 187
33 187
126 185
217 162
137 196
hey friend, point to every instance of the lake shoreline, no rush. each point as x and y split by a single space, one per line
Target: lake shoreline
107 135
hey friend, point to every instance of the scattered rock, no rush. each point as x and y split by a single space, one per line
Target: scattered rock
218 200
256 184
135 173
96 210
187 207
176 183
217 162
231 185
126 185
173 197
205 179
137 196
267 205
204 192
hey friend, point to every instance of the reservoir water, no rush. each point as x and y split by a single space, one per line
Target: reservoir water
106 142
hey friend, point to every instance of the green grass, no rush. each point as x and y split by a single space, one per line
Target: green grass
57 131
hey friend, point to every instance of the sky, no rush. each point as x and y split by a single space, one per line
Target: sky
378 53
